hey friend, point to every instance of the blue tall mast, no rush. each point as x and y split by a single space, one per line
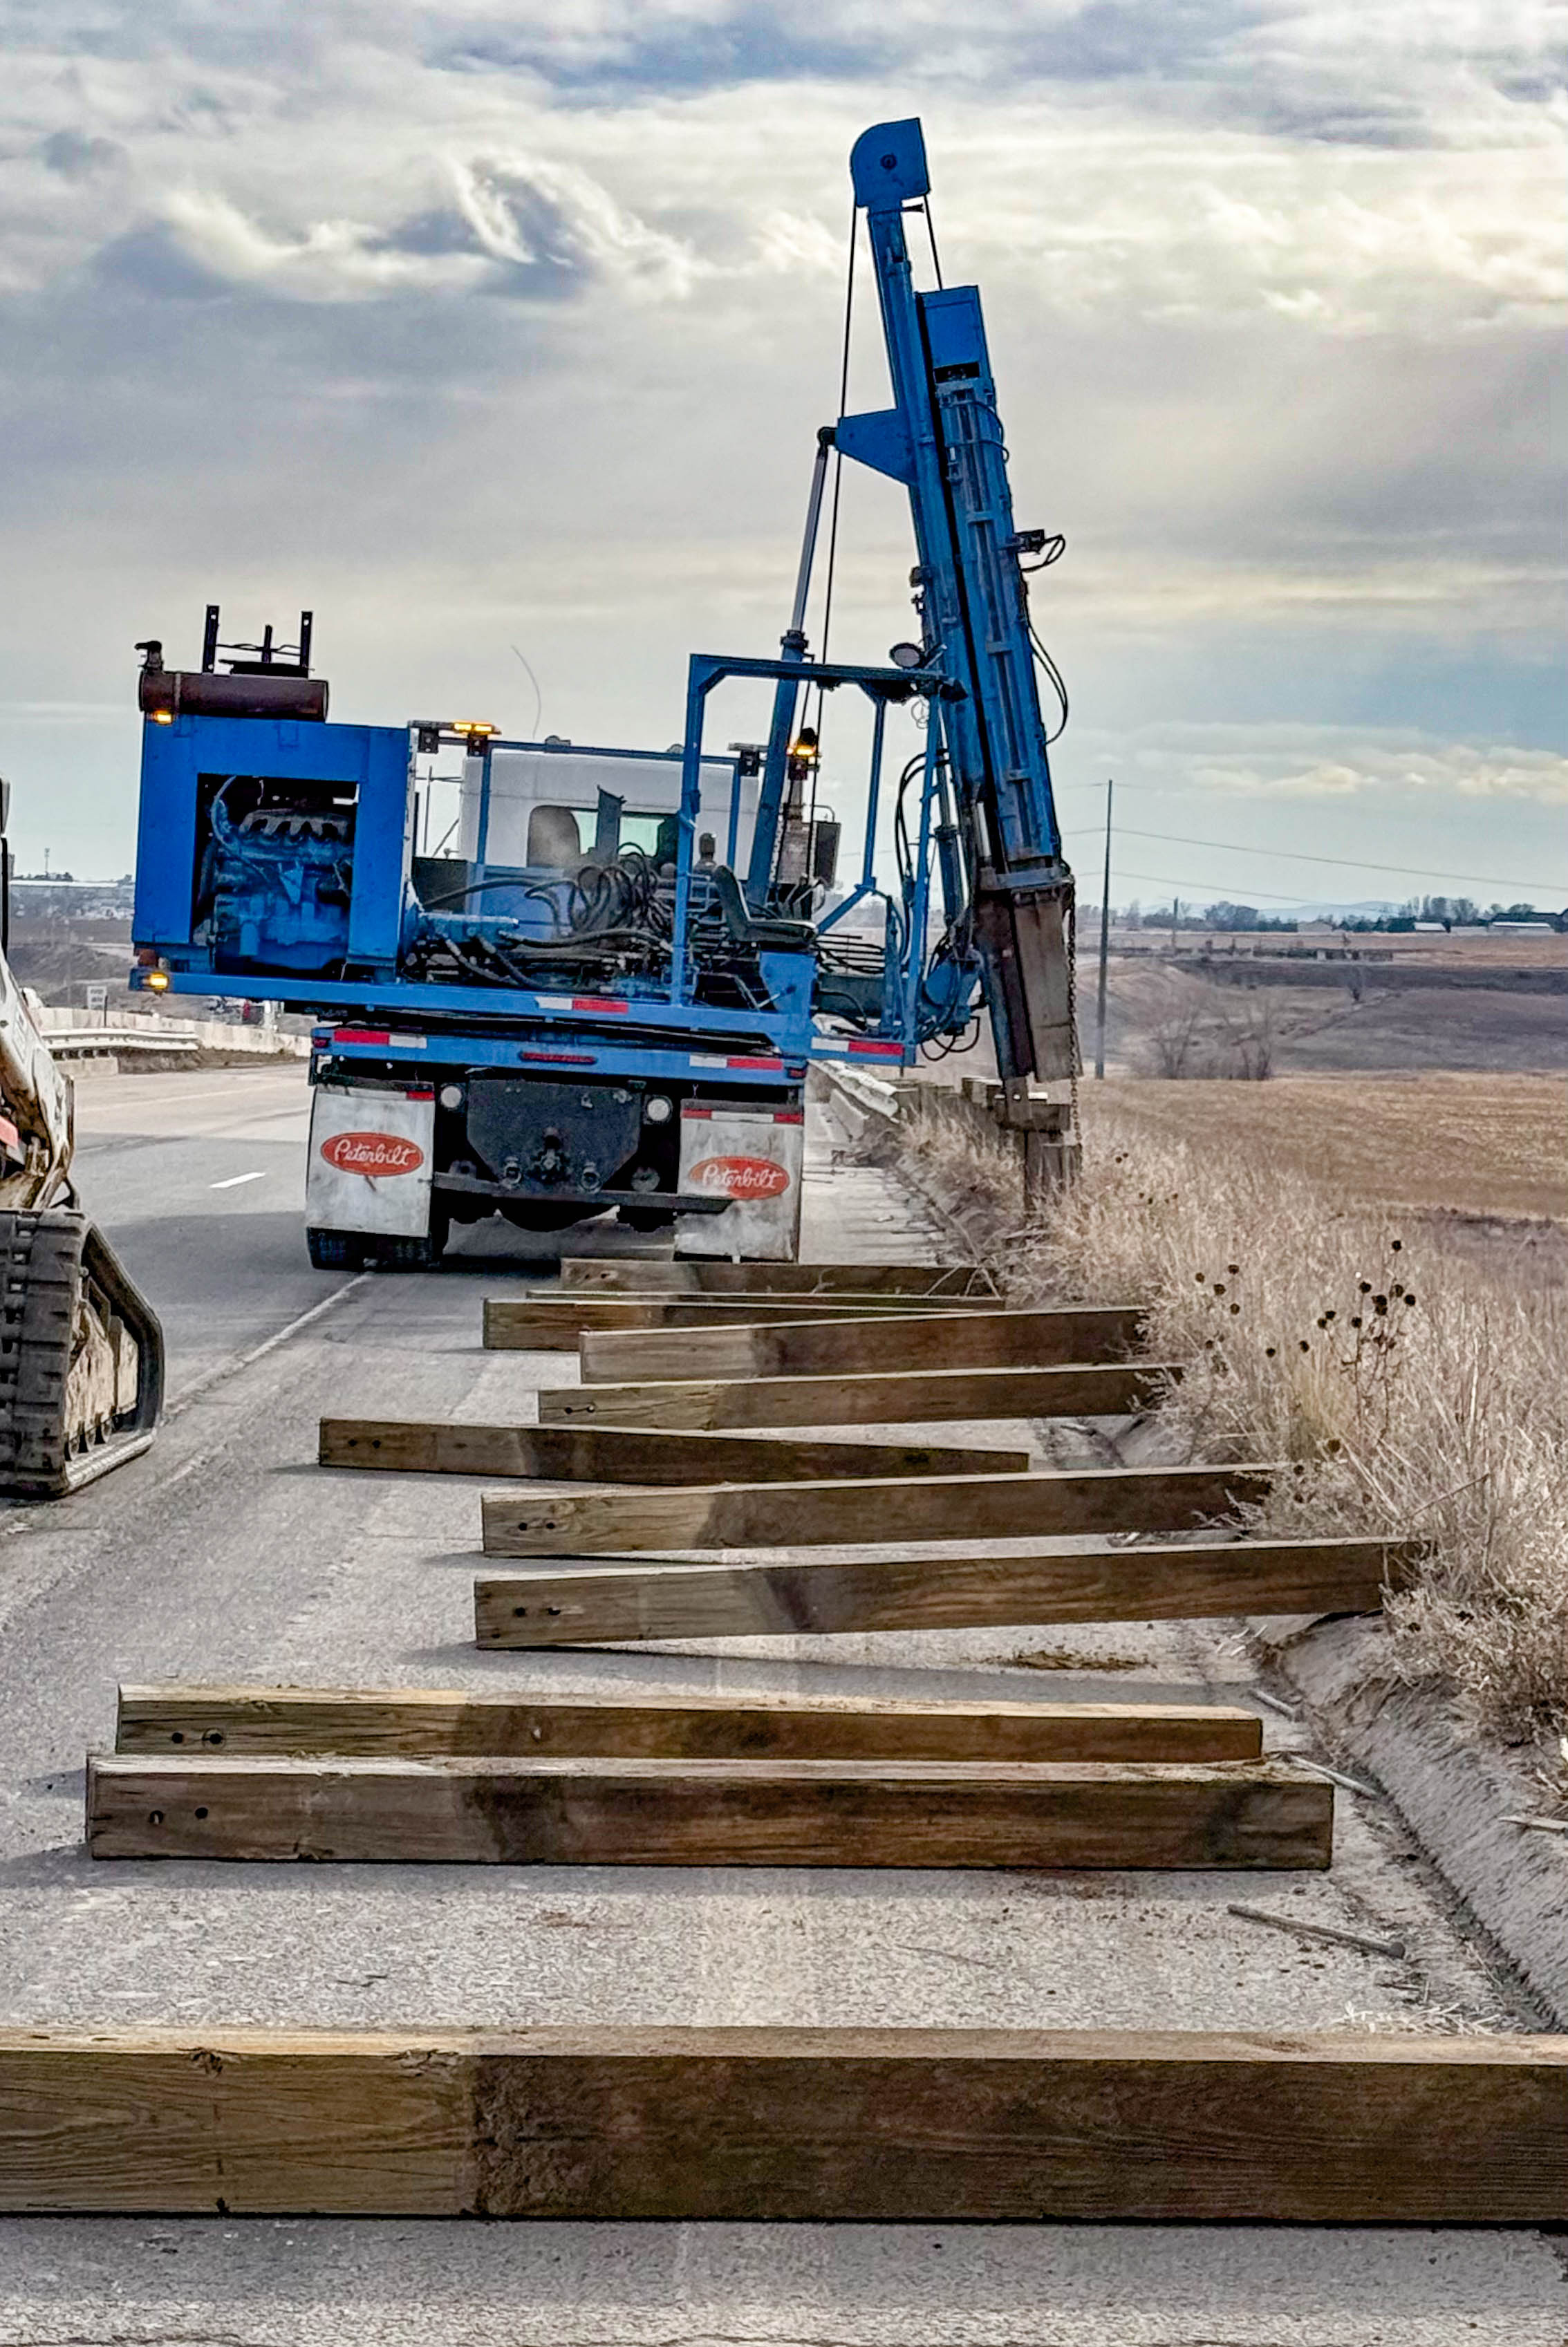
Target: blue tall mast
943 439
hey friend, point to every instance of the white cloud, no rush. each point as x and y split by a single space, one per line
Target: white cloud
1305 761
1138 157
329 261
578 223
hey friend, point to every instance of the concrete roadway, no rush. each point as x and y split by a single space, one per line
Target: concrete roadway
225 1553
199 1181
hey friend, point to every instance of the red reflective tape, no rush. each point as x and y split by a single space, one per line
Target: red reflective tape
755 1063
10 1136
598 1002
361 1035
789 1116
428 1093
880 1050
696 1111
557 1059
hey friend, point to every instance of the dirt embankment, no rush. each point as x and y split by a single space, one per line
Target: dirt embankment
60 960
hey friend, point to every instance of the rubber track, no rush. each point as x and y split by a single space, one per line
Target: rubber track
46 1260
40 1284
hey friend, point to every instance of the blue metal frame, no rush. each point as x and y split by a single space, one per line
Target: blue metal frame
943 439
542 1047
1001 861
479 1002
375 761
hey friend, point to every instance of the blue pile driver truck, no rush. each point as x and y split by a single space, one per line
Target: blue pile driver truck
605 988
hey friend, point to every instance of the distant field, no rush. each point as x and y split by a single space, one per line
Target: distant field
1468 1144
1482 1021
1482 949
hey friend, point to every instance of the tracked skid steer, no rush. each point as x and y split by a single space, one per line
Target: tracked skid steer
81 1352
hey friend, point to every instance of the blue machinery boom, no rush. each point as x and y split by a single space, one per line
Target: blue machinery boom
652 923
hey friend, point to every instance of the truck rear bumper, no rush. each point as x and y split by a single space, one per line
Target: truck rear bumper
658 1202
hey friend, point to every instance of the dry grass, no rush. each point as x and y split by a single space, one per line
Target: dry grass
1415 1390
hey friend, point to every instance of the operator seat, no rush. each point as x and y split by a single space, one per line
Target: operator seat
554 840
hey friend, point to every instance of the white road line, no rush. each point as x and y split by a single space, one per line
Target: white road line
258 1352
235 1179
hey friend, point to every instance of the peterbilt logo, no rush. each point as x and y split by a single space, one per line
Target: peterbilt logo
739 1177
373 1152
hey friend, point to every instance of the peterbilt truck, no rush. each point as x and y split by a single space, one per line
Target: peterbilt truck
604 985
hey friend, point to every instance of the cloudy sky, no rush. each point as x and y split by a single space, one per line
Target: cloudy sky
482 326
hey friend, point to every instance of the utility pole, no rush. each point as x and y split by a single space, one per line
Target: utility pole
1104 942
1175 917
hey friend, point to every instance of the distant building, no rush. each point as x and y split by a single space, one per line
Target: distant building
37 898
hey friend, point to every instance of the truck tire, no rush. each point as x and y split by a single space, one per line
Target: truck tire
336 1250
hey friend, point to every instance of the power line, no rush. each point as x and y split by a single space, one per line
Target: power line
1385 816
1201 888
1348 863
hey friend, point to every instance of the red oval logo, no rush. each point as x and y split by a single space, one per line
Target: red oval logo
373 1152
739 1177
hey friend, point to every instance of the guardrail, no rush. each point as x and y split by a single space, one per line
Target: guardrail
113 1043
76 1035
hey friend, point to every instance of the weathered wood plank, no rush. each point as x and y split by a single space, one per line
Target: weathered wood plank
1247 1814
553 1323
932 2125
810 1515
698 1277
608 1454
954 1340
1166 1582
907 1397
431 1723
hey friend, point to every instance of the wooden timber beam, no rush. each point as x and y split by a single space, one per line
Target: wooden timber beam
608 1454
973 1340
1249 1814
898 1397
434 1723
813 1515
553 1324
1168 1582
933 2126
697 1276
